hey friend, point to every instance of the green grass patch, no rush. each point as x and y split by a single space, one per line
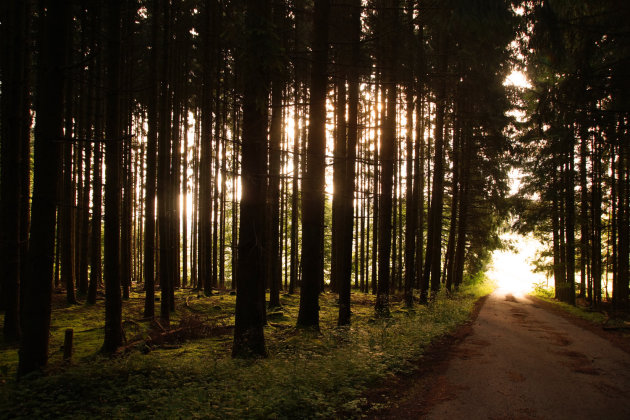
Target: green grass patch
581 311
307 375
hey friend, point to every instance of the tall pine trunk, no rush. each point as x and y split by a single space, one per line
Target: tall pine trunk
345 256
14 138
432 266
151 170
313 194
249 339
113 141
37 283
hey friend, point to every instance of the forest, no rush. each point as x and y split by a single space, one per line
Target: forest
255 176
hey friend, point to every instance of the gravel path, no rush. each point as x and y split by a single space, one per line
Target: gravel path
521 361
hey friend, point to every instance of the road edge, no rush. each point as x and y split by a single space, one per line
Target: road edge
392 399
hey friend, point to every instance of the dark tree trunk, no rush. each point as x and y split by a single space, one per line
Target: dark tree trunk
462 217
249 339
273 255
293 275
432 266
623 282
164 191
419 168
386 159
222 208
596 214
313 194
82 282
185 209
339 180
345 256
151 171
126 213
36 304
113 134
96 222
14 138
570 224
87 100
235 153
66 211
584 220
375 208
205 162
455 197
558 270
411 216
97 181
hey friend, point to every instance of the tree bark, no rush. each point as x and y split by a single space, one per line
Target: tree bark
151 170
432 266
113 140
53 42
273 246
14 138
313 194
249 339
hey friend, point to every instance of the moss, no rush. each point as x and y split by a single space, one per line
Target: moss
307 374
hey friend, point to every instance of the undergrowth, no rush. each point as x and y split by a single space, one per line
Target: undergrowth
580 310
307 375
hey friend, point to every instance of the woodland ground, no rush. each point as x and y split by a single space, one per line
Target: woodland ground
190 374
522 358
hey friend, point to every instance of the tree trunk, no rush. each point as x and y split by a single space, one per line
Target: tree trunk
113 134
455 197
53 42
249 339
345 255
151 171
273 255
596 214
623 282
15 137
66 209
570 224
584 220
313 194
164 191
386 159
204 271
432 266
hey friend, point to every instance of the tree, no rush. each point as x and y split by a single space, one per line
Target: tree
14 138
432 265
249 339
113 142
313 183
151 174
37 285
348 192
386 158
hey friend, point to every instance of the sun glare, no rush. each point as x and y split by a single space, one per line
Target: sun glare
517 79
512 269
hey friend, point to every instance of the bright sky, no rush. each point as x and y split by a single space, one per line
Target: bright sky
512 269
517 78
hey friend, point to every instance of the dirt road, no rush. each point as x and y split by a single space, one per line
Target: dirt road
521 361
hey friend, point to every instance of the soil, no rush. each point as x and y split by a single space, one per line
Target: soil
518 358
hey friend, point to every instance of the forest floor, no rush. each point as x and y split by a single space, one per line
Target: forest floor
185 370
521 358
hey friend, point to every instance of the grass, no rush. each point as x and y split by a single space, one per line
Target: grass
580 310
307 375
